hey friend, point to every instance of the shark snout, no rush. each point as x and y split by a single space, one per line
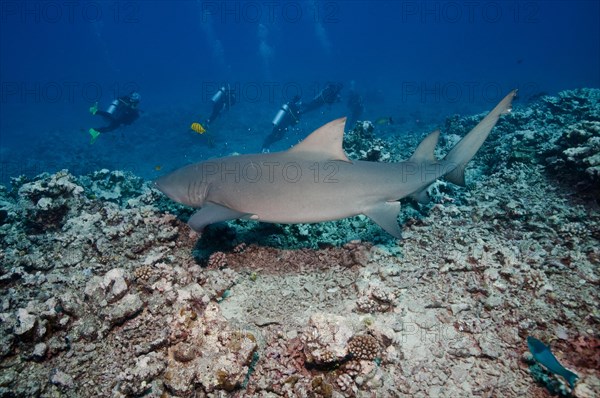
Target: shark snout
182 186
164 185
159 184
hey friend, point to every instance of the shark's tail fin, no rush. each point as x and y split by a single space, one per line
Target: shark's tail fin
466 148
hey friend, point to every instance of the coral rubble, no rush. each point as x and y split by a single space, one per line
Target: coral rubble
105 292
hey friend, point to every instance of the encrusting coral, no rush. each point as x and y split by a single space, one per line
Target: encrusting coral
106 293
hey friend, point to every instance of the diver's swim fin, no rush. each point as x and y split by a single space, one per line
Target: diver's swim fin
94 108
95 134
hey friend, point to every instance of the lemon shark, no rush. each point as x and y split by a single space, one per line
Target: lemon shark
314 181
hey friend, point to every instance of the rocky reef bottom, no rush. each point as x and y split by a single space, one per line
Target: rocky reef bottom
105 292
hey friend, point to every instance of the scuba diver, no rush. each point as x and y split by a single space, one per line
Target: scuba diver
122 111
355 108
290 113
223 99
329 95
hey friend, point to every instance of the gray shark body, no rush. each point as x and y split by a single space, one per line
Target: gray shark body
314 181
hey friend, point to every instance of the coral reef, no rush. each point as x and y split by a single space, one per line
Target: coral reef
582 154
560 132
363 347
44 202
105 292
361 143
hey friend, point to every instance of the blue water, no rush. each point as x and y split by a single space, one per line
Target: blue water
417 62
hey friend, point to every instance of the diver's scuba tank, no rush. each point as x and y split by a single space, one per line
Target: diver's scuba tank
220 102
113 106
218 95
284 110
285 116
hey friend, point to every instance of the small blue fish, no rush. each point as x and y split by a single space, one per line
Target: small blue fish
544 357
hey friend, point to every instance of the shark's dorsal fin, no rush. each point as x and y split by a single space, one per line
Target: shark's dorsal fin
424 151
326 140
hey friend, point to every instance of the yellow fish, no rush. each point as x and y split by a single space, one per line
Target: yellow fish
198 128
384 120
157 167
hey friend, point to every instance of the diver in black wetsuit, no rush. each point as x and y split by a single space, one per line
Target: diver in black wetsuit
122 111
290 113
355 108
222 100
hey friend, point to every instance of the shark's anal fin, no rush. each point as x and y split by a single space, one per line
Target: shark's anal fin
386 216
422 196
212 213
326 141
457 176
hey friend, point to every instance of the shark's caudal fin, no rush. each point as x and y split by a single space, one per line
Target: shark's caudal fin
326 141
466 148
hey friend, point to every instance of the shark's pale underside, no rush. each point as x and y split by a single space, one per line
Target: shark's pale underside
315 181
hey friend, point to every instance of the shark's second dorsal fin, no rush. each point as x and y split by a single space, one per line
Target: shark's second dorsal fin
326 140
424 151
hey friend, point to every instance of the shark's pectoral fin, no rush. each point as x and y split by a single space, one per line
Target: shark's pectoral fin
212 213
386 216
